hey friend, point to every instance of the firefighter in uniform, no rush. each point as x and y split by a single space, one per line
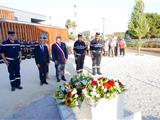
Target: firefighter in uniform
96 49
79 53
11 54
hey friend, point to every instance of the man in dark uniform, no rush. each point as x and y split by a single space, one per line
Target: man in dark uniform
96 49
11 54
79 53
59 56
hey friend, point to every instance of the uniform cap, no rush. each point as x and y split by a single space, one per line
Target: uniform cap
79 35
97 33
11 32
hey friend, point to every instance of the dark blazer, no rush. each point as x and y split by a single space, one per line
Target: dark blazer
41 56
57 55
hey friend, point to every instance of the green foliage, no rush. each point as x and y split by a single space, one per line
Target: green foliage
138 25
68 24
71 24
153 20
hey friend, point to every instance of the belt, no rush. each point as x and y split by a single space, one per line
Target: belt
8 58
96 51
79 54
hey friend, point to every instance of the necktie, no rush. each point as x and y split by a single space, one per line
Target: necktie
42 48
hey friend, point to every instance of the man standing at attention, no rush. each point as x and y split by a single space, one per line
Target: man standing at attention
11 54
79 53
96 49
59 56
42 58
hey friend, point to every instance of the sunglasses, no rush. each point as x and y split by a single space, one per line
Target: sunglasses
43 37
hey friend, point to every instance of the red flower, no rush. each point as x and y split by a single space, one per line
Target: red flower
68 102
111 82
69 94
94 83
107 85
120 84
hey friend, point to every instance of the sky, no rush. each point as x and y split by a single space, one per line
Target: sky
89 13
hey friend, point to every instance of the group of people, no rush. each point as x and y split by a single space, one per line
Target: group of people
114 47
11 52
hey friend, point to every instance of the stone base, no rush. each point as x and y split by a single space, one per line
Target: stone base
104 110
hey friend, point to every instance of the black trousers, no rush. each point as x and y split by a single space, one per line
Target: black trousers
60 70
122 51
96 61
14 73
42 72
79 60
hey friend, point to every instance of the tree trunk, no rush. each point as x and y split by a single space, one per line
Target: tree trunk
139 44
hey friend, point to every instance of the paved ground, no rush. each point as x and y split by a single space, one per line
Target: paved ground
42 109
140 74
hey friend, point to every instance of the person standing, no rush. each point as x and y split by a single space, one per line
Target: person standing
42 58
112 44
122 45
79 53
96 49
11 54
59 56
106 47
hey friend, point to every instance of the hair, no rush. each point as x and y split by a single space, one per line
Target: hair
44 34
58 37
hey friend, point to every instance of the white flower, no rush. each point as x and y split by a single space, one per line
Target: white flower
84 91
97 95
105 90
74 91
116 84
76 103
102 87
94 89
93 93
108 94
76 96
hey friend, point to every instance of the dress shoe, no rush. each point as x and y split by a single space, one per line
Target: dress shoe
19 87
46 83
99 73
64 79
58 80
13 89
41 84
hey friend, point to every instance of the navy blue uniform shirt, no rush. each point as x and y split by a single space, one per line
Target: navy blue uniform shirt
11 50
79 47
96 45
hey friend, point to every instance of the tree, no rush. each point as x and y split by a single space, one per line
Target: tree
138 26
71 24
68 24
153 20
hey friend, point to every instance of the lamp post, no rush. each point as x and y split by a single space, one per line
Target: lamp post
103 22
75 17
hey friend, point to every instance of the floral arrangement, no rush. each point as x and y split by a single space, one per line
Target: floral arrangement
83 87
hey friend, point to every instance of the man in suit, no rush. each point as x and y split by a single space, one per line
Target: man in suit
42 58
59 56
